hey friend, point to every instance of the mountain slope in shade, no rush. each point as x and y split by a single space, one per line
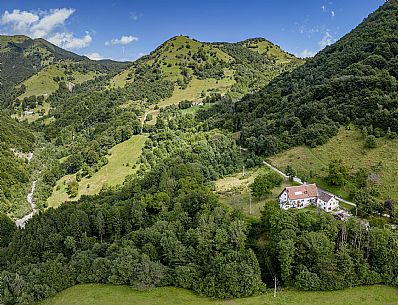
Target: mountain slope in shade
20 57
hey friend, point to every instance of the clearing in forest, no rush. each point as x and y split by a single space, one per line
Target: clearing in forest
122 161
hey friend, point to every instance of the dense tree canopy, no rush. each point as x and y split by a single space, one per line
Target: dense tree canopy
351 81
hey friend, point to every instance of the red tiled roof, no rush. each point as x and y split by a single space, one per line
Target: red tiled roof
302 191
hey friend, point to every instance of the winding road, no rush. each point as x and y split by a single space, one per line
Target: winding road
22 222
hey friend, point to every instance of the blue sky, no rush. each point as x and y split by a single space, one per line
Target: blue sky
125 30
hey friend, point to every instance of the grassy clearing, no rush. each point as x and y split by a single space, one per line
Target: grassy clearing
348 146
91 294
121 161
120 80
197 86
194 91
195 109
234 191
35 115
42 83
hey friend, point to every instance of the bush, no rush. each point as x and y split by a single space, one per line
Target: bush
308 281
370 142
264 183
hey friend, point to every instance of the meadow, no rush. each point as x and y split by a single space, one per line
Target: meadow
349 146
96 294
234 191
43 83
121 162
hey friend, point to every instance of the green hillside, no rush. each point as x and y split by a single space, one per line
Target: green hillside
21 57
181 61
180 69
45 82
15 139
348 145
352 81
121 163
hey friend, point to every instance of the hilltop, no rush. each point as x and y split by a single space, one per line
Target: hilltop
32 67
21 57
180 61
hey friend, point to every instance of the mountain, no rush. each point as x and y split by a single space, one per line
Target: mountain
352 81
84 108
182 62
21 57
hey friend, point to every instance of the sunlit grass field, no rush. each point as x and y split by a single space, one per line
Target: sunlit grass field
349 146
95 294
121 161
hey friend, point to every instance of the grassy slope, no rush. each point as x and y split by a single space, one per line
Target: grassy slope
42 82
196 86
111 174
91 294
348 145
264 46
168 54
194 90
234 191
119 80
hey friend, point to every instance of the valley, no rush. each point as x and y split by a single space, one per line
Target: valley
169 179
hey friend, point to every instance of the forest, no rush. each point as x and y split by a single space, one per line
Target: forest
165 225
167 228
14 172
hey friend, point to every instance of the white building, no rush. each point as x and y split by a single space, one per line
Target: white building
327 201
305 195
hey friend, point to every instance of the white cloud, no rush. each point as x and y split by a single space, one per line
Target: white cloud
94 56
50 21
49 25
18 21
122 40
326 40
68 41
332 13
307 53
